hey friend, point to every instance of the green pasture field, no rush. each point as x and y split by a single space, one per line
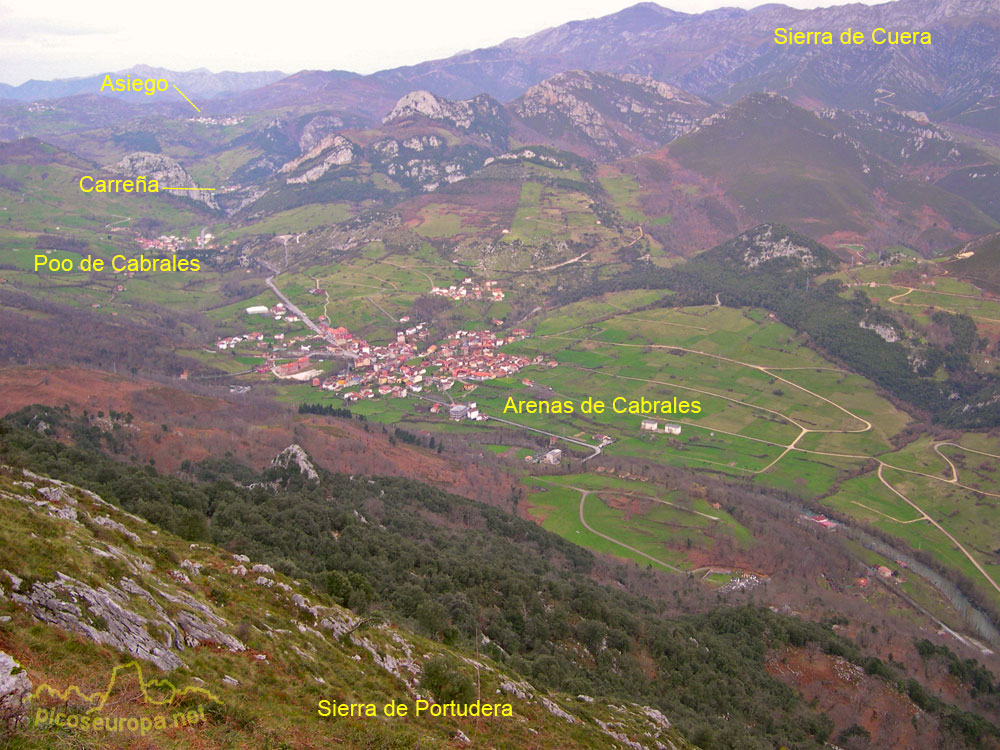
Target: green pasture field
807 475
649 518
625 193
919 456
977 307
969 517
292 221
440 221
523 228
22 257
50 200
545 212
974 469
937 298
217 169
565 174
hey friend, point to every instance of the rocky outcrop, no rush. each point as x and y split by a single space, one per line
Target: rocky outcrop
425 161
769 242
153 625
104 617
15 689
109 523
904 138
886 332
482 116
331 151
294 454
527 154
611 115
166 171
318 128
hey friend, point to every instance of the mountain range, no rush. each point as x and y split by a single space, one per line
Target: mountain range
257 478
720 54
200 83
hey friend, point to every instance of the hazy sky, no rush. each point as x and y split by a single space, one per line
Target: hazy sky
65 38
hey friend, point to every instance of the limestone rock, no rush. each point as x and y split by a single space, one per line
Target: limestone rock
295 454
318 128
482 116
107 619
335 151
166 171
197 631
110 523
15 689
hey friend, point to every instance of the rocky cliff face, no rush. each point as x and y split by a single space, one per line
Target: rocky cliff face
425 161
609 115
482 116
904 138
318 128
166 171
331 151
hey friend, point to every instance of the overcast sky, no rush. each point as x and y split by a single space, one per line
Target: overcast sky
65 38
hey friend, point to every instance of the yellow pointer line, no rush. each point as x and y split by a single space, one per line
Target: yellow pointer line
185 96
173 188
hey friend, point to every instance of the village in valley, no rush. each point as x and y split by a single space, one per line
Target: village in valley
399 368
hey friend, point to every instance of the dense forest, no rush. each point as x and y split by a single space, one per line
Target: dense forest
460 571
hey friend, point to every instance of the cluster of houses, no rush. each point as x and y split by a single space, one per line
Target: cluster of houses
216 120
474 356
389 370
170 243
231 342
469 289
378 369
397 368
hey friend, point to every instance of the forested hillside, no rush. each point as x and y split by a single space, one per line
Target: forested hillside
458 571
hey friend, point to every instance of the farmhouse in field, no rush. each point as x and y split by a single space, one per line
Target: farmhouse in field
552 457
651 425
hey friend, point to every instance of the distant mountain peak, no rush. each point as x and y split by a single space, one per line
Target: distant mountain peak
461 114
610 114
482 115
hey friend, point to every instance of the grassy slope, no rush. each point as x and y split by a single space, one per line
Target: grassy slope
291 662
